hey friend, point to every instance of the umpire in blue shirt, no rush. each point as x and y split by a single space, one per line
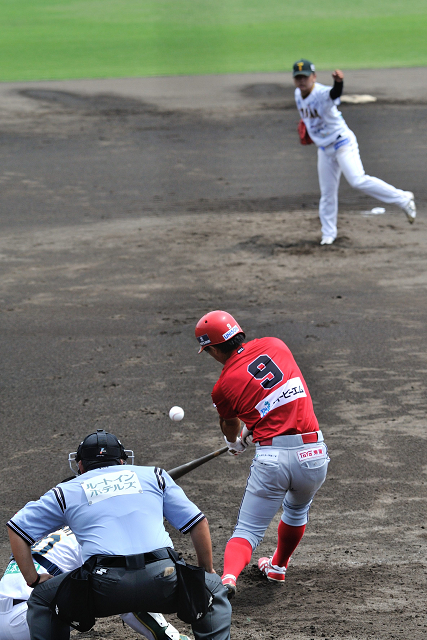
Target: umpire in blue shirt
116 513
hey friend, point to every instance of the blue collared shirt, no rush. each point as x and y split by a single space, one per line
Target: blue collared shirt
115 510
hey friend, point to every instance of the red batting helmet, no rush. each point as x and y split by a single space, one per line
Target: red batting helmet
216 327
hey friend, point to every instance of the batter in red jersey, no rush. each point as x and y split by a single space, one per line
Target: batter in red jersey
262 386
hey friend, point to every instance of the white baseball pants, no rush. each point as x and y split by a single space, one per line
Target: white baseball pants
13 620
13 623
343 157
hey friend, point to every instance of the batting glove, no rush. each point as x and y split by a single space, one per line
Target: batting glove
246 436
235 448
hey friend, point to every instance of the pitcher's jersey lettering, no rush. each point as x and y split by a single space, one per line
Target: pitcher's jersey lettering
320 114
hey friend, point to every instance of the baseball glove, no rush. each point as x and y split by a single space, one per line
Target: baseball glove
303 133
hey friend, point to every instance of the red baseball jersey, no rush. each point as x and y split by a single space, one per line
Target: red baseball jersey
262 385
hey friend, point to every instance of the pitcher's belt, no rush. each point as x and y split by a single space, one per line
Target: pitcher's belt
294 440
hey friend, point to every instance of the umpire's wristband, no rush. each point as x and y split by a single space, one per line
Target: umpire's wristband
35 583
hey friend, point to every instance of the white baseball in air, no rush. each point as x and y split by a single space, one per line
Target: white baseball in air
176 414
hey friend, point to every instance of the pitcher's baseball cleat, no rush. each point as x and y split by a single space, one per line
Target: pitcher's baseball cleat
272 572
229 582
410 209
327 240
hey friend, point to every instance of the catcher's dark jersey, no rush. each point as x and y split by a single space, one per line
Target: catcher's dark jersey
262 385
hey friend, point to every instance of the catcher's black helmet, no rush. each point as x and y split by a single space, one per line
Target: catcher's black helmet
100 449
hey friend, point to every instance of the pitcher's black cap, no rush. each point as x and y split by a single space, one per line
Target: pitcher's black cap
303 68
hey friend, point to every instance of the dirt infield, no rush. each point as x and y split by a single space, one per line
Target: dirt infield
124 219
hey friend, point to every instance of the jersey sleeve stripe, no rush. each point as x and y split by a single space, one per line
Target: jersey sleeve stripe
59 495
160 479
22 534
198 518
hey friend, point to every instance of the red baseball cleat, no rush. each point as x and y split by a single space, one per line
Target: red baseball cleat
271 571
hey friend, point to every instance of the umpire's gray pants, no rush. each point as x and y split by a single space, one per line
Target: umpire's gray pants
120 590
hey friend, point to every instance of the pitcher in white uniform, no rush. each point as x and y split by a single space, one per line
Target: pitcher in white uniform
337 149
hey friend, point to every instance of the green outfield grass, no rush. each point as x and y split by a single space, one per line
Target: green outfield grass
56 39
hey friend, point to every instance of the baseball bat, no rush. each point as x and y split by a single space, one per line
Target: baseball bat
177 472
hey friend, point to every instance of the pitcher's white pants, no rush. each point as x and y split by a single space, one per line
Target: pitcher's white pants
343 157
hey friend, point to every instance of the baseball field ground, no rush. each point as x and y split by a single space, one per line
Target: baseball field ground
56 39
131 208
131 205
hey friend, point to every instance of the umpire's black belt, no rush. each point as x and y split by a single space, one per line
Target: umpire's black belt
138 560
